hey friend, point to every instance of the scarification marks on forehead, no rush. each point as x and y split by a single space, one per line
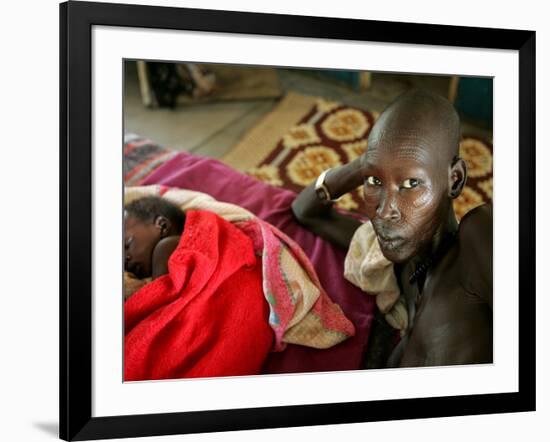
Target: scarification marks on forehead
411 139
410 153
399 153
396 134
412 146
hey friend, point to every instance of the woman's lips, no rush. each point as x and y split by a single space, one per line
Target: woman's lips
390 241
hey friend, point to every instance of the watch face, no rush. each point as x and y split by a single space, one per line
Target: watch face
321 194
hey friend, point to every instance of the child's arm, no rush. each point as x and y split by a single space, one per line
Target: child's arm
162 251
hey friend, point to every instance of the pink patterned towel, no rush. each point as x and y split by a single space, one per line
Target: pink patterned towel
301 312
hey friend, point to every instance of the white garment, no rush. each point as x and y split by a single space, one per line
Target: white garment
367 268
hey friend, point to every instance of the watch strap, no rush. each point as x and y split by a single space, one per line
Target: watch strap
321 188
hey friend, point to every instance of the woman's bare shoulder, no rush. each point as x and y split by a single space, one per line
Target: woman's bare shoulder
475 236
480 217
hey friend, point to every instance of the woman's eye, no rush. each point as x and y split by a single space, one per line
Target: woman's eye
410 183
373 181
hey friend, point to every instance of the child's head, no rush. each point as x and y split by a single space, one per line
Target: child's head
146 221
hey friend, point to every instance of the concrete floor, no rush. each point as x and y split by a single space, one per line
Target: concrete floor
212 129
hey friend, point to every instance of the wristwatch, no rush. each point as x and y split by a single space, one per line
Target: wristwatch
322 190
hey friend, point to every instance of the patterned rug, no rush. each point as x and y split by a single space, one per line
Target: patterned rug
305 135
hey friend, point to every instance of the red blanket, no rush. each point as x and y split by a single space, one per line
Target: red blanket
208 316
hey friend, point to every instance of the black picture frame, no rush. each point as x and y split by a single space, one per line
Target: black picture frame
76 21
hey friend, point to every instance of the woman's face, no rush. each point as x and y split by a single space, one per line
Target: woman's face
406 197
140 239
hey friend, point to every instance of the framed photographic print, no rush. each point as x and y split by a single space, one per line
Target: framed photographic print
272 221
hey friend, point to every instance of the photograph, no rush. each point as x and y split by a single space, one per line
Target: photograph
277 221
290 220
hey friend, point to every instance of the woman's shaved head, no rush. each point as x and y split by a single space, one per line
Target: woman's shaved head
420 114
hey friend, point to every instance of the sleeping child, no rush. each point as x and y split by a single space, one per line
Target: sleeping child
203 314
215 296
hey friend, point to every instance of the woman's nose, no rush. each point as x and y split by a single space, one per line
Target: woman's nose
387 209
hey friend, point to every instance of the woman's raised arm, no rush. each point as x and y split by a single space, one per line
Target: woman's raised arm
319 216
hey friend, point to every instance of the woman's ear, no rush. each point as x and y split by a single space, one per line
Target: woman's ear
163 224
457 177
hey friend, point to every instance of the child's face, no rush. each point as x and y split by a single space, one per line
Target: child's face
140 239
